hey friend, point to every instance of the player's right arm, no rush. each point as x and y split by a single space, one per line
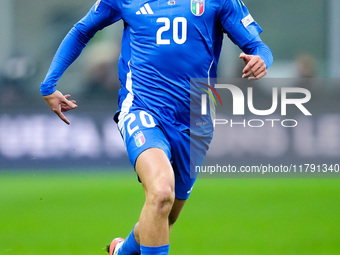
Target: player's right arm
102 14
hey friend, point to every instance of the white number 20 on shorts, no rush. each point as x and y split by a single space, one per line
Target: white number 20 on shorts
145 119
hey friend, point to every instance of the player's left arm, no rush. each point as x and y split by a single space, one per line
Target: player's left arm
257 57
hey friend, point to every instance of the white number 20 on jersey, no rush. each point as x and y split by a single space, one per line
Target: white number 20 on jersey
177 22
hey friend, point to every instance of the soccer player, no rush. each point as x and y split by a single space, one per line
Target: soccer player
164 45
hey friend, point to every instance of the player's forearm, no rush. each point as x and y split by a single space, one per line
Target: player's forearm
257 47
265 53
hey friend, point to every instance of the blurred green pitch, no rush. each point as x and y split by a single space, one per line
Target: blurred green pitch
79 213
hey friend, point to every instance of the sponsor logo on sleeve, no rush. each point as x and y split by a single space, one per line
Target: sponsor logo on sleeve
247 20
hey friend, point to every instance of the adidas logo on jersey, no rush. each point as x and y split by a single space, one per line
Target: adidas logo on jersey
146 9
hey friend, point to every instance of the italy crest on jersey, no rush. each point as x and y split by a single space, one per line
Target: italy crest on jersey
139 138
197 7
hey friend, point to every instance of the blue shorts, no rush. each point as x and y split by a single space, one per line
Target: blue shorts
141 130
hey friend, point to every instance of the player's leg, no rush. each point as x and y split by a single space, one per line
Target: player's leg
156 220
149 153
160 211
159 198
183 157
155 172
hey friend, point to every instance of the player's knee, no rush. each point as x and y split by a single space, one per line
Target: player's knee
161 199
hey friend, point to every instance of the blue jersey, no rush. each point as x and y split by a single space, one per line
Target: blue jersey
164 45
167 43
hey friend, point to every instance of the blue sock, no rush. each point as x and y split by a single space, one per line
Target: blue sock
159 250
130 246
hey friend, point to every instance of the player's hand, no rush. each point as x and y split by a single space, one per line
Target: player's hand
255 67
60 103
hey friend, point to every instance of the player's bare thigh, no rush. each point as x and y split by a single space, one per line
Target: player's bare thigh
155 171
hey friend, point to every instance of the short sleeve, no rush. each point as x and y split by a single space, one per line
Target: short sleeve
237 22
